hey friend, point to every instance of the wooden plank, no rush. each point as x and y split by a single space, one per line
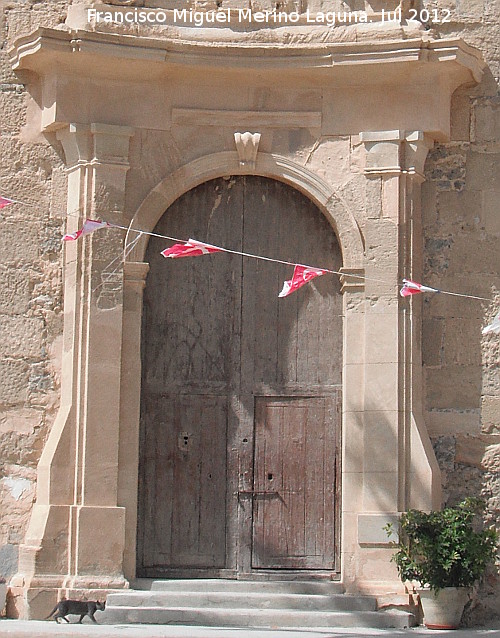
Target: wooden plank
189 303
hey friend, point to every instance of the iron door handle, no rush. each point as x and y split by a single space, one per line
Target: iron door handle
257 493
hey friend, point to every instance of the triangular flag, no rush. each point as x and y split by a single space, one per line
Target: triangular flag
5 201
191 248
494 326
413 288
88 227
301 275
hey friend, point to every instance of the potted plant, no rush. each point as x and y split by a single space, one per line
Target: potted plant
446 553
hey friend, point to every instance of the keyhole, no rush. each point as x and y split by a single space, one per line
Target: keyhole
184 442
269 477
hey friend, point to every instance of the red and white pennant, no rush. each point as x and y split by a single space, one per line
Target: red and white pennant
301 275
89 226
5 201
413 288
191 248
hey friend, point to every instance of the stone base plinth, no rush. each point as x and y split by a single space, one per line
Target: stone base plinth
36 603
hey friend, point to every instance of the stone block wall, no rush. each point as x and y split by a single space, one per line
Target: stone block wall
461 215
30 286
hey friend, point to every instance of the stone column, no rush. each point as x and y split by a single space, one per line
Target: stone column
395 443
76 533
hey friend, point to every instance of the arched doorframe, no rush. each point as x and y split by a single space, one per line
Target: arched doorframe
267 165
135 271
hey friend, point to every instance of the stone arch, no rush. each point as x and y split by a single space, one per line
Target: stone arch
267 165
135 270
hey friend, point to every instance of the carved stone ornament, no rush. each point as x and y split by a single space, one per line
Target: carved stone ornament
247 145
125 3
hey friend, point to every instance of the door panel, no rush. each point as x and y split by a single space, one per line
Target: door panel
185 483
292 342
296 441
220 350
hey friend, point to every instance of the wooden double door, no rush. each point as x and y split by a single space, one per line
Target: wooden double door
240 400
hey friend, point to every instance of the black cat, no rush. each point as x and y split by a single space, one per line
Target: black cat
82 607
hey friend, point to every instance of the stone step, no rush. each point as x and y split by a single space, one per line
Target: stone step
243 598
221 585
240 603
255 618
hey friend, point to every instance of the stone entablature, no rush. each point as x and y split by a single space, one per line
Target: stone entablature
400 76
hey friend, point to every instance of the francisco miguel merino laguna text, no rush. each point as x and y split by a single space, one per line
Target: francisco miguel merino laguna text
330 18
228 15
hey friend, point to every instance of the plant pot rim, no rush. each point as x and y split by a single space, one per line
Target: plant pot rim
428 588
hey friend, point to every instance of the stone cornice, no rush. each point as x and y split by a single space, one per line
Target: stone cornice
93 53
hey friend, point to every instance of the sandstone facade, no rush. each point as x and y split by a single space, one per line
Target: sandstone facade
396 141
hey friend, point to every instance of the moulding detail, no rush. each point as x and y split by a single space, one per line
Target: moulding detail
99 144
36 51
396 152
247 119
268 165
135 272
247 146
352 279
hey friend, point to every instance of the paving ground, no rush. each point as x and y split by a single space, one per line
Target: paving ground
45 629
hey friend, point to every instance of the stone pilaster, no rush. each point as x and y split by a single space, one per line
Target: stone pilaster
398 461
130 399
76 534
353 452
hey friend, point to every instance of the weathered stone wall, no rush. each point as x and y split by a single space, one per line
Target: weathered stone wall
461 251
30 287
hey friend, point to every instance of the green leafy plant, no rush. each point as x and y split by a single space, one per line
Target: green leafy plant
443 548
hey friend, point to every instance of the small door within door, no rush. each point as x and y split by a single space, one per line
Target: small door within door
296 441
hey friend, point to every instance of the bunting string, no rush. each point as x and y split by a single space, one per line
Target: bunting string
107 275
249 255
302 273
412 287
418 287
6 201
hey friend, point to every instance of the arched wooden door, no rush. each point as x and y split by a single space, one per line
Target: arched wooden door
240 404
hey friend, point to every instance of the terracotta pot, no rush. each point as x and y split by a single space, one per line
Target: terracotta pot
444 609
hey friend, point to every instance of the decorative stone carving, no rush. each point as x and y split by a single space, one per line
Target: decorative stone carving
393 152
247 145
417 146
125 3
383 151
